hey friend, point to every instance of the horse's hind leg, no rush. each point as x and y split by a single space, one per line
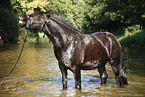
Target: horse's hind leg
115 67
103 74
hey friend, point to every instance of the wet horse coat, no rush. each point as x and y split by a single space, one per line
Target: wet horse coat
76 51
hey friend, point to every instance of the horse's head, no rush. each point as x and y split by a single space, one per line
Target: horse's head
22 20
34 22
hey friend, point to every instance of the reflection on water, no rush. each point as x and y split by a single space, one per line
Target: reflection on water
37 74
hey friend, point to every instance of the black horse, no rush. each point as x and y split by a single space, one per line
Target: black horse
76 51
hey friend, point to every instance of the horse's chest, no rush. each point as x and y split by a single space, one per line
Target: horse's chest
68 54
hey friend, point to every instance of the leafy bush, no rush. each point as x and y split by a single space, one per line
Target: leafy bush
95 15
30 6
8 25
70 11
111 15
133 35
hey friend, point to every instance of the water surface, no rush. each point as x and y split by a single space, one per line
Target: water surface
37 74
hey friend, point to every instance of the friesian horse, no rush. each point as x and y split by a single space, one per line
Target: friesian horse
76 51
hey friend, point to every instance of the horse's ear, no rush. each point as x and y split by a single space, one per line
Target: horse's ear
48 13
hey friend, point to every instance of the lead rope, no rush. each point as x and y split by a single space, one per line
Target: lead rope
2 76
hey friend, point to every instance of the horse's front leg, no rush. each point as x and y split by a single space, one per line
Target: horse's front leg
64 76
77 76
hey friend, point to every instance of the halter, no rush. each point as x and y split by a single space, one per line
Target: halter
30 23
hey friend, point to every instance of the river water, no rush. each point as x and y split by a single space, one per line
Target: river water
37 74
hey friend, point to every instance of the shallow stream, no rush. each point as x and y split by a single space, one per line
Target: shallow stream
38 75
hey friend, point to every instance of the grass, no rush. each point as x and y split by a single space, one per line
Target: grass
132 36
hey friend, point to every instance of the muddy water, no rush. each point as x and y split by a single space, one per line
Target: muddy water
38 75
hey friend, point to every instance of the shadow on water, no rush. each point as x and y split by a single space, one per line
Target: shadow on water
37 74
135 60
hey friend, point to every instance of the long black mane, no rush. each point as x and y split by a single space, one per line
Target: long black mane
60 21
65 23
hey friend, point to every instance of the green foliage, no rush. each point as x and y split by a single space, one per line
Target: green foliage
8 23
30 6
94 15
111 15
66 9
133 36
5 4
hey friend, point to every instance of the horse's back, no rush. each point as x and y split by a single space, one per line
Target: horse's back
105 36
111 42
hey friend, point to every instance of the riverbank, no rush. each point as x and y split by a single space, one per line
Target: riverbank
132 36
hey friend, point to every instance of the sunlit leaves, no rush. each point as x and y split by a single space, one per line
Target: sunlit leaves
70 10
28 7
95 15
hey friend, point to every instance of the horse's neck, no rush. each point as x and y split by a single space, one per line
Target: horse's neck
60 35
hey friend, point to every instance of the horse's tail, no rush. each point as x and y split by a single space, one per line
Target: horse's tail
123 58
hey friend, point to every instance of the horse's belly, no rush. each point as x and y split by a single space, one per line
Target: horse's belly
89 65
